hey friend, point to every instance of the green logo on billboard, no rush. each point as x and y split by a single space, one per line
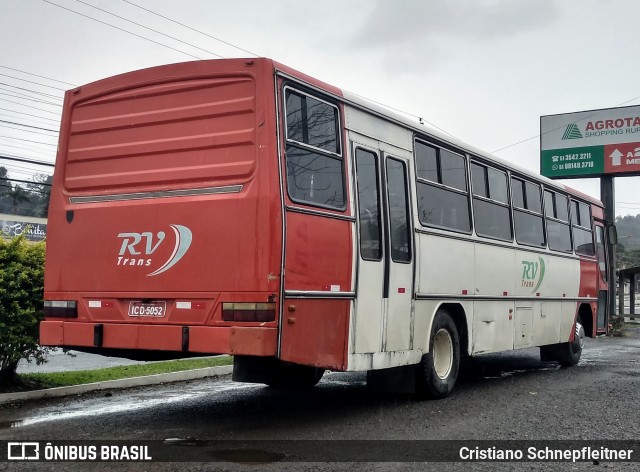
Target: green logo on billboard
533 274
572 132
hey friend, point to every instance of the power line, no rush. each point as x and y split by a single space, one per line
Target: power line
32 82
36 75
28 161
29 114
23 147
555 129
48 95
21 169
189 27
31 175
28 126
150 29
32 121
35 108
39 192
26 130
13 169
25 97
28 140
27 181
26 146
121 29
421 119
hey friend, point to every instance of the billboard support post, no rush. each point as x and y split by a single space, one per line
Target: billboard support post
608 197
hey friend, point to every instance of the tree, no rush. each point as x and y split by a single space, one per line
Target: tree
18 195
39 194
5 187
628 249
628 228
21 301
626 257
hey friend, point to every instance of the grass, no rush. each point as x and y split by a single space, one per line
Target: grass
79 377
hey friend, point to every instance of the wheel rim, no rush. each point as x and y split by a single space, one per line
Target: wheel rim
442 353
578 339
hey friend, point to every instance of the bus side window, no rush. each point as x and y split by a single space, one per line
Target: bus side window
441 185
582 232
601 252
369 205
527 213
558 228
315 171
491 214
398 211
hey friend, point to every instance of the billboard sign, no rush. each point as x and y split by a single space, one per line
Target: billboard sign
32 230
590 143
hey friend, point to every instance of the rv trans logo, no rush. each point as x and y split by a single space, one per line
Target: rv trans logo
137 249
533 274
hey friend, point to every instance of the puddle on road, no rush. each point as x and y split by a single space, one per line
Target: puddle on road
10 424
130 401
119 404
501 374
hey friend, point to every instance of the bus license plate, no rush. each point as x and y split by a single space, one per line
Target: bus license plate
153 309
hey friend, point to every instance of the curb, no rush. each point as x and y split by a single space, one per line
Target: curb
120 383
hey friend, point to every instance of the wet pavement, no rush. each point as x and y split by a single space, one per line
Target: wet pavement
509 396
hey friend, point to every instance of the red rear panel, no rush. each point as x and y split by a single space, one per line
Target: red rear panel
166 194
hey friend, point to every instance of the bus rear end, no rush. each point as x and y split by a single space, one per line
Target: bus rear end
165 222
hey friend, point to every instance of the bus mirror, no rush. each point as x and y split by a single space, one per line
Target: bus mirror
612 233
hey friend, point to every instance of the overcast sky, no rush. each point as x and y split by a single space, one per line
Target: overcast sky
483 70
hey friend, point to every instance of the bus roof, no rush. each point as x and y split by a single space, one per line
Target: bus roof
349 98
388 114
455 142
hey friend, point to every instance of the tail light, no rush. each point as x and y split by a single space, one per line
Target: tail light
247 312
60 309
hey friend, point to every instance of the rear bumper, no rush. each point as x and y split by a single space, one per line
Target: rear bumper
235 340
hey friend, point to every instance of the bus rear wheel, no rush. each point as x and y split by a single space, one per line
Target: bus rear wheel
294 376
437 373
567 354
572 351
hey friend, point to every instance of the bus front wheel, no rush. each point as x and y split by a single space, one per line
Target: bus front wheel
438 371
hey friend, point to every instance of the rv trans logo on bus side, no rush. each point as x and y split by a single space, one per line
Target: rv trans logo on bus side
137 248
533 274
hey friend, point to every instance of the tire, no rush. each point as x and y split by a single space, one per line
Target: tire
567 354
437 373
294 376
571 351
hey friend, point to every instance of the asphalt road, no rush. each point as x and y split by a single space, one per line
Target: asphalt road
503 397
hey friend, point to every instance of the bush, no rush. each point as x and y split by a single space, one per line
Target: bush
21 300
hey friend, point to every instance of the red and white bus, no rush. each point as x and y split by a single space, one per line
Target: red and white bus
241 207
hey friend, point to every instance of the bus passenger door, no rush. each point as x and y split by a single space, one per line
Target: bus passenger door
398 286
603 292
370 263
385 270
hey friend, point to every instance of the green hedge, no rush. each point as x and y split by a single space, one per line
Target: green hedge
21 299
